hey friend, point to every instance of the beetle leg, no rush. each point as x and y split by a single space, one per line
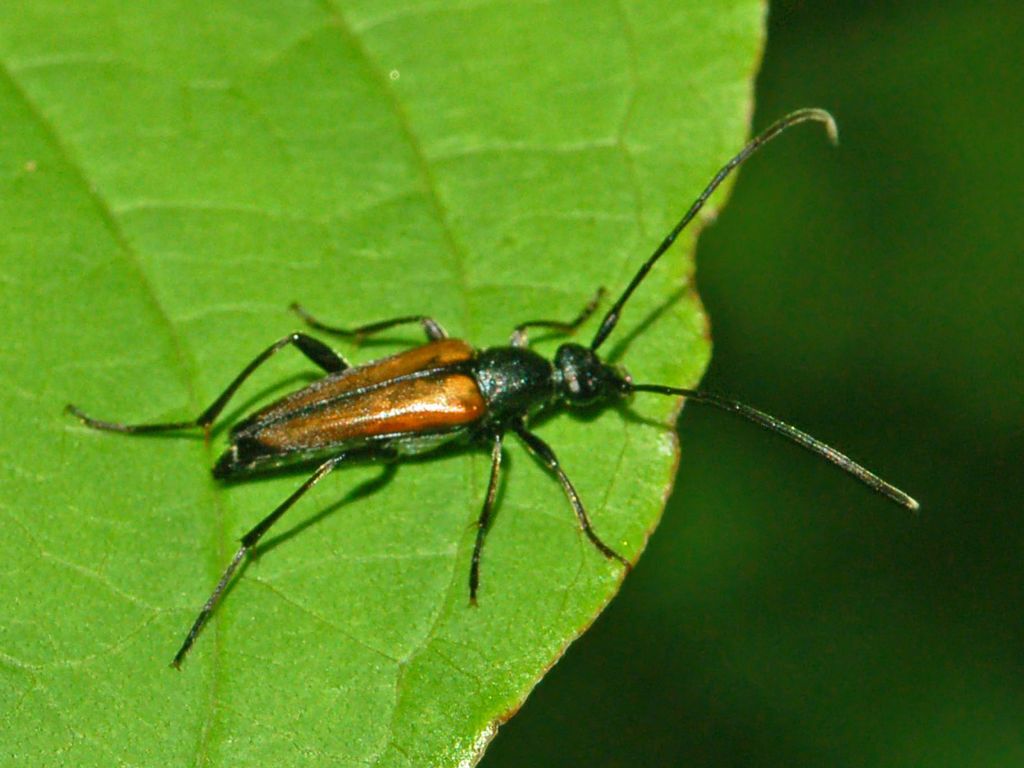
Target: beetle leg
543 451
314 349
484 521
248 541
519 338
431 327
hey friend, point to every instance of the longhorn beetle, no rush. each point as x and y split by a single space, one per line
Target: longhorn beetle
445 390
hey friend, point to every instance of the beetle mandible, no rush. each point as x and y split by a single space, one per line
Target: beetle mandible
446 390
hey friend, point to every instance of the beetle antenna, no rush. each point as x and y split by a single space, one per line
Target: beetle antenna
793 118
779 427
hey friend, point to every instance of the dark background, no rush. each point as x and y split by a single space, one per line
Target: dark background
873 295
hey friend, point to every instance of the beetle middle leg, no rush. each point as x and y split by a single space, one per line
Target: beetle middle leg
314 349
249 541
430 326
543 451
484 521
519 337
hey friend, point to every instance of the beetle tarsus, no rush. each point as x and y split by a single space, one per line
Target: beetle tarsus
130 429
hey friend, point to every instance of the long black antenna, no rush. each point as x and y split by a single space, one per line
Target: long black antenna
800 116
779 427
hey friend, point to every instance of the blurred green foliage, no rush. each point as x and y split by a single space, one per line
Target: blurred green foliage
873 295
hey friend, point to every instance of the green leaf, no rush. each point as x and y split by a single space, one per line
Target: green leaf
172 175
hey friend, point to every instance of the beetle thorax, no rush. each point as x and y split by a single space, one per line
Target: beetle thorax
514 381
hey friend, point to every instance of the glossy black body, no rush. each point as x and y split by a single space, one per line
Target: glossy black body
513 381
516 381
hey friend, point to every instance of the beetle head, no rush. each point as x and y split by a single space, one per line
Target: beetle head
583 379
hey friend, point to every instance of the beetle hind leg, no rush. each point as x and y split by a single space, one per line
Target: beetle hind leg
248 542
314 349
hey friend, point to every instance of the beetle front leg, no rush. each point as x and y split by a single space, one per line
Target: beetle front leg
519 337
315 350
430 326
543 451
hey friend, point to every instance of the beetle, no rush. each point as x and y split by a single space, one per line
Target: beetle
444 391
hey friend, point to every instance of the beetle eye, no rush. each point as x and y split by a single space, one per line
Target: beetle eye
623 379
